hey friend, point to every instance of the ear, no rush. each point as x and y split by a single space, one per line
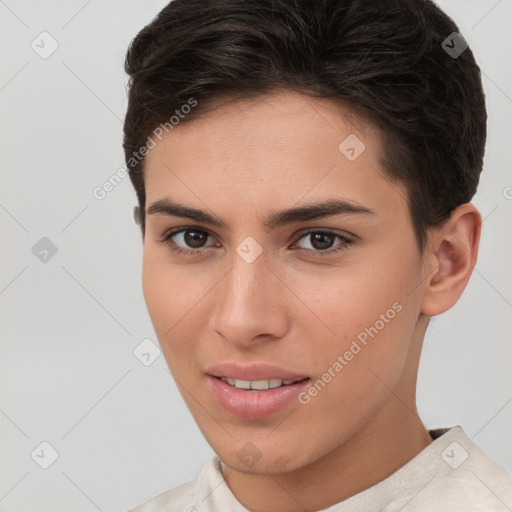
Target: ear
451 257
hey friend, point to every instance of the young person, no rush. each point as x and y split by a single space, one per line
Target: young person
304 171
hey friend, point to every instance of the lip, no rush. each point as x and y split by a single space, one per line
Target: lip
253 404
256 371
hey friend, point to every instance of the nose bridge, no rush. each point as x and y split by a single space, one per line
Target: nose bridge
245 281
246 305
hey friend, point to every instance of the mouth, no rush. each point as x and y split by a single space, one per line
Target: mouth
255 399
259 385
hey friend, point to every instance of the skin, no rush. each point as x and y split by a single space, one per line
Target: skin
240 162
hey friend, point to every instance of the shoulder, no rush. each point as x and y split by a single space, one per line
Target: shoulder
467 481
177 499
466 491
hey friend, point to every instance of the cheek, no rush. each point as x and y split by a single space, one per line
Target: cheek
354 380
355 295
154 286
174 300
365 310
167 293
363 353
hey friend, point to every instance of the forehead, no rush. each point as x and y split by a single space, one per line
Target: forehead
265 116
278 147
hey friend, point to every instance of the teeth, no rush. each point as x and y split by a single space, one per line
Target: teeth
242 384
257 384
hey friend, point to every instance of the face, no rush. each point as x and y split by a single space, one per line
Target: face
326 295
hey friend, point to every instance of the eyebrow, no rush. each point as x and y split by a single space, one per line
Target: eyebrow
312 211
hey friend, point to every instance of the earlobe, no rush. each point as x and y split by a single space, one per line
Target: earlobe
454 251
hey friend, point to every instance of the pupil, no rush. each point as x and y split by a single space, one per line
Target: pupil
318 237
194 238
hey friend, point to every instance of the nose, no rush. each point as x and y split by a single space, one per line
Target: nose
250 303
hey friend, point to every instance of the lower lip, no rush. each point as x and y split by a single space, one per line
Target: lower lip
253 403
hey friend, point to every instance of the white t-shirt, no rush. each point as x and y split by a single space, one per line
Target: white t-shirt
452 474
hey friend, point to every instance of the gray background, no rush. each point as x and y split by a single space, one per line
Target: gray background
69 325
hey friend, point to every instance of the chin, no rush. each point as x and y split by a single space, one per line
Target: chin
252 461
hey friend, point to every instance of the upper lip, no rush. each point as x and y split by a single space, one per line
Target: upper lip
256 371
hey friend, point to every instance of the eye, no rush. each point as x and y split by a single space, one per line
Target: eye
189 237
321 242
193 239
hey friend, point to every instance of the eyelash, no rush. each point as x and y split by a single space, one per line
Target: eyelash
308 252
